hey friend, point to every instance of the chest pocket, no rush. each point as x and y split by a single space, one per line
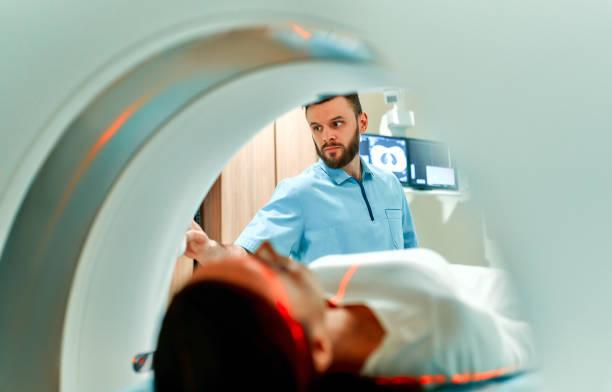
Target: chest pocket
394 218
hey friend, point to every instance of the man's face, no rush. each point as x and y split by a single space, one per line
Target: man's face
335 131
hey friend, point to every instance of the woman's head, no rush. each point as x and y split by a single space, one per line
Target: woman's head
234 326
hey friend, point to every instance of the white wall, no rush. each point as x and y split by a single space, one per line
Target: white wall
450 224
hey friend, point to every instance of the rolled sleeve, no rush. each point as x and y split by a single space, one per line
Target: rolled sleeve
280 222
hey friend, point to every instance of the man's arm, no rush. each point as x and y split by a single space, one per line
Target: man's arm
201 248
280 222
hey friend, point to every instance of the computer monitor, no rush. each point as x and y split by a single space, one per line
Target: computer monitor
430 165
385 152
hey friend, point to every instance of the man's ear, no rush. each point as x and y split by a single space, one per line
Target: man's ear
266 252
363 122
322 354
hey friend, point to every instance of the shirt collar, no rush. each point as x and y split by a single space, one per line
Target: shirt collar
338 176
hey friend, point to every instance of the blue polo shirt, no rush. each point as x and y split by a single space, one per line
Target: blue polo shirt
324 211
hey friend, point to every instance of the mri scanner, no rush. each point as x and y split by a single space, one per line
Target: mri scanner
107 108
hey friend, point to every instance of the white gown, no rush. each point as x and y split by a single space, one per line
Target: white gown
456 323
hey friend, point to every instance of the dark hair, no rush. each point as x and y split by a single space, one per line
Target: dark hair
220 337
216 336
352 98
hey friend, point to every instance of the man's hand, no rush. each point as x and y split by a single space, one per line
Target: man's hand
201 248
197 242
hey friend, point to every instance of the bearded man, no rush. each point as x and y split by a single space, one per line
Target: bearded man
339 205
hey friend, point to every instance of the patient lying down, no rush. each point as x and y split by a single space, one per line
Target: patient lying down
399 316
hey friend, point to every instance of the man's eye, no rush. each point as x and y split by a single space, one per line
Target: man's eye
337 123
317 128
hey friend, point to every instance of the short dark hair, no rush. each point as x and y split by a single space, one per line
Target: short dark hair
352 98
216 336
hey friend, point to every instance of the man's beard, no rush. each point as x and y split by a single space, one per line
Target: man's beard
347 155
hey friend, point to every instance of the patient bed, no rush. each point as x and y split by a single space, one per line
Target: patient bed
525 382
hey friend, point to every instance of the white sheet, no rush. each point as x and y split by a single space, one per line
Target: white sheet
440 319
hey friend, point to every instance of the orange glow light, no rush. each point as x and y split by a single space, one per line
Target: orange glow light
102 140
343 283
91 154
432 379
301 31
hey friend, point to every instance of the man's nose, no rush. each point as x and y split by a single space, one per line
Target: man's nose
328 135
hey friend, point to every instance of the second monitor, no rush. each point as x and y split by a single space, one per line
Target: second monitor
417 163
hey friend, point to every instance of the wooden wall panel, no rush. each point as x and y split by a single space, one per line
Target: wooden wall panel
282 149
183 269
247 183
211 211
295 149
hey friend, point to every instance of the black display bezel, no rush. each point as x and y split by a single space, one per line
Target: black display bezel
411 183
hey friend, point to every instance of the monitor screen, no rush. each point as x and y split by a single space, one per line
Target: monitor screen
385 152
430 165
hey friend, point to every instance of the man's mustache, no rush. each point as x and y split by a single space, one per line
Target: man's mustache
331 145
